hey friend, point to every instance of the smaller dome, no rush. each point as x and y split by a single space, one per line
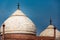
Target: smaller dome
49 31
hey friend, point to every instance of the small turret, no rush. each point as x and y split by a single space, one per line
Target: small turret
3 32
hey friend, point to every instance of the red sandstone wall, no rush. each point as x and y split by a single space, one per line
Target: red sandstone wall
25 37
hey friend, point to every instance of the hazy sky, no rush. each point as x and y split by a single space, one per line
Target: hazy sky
39 11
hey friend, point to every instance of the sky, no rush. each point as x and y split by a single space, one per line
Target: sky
39 11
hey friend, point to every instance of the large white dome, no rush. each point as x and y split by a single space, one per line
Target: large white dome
18 22
49 31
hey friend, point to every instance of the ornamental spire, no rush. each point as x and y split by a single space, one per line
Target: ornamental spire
50 21
18 6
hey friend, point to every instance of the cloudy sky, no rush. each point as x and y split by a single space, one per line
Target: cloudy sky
39 11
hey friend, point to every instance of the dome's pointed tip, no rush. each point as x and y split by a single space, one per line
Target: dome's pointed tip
18 13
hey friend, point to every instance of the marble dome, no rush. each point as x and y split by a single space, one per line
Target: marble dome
49 31
18 22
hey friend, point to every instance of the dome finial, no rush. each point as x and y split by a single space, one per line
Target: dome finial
50 21
18 6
